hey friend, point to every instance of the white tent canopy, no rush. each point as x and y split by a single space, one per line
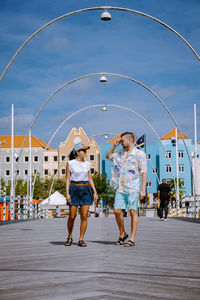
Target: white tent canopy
55 199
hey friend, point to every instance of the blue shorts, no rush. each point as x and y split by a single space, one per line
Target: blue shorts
123 200
80 195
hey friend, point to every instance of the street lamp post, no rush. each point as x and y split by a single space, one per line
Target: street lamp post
106 16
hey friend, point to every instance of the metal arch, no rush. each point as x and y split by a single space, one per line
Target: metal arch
109 74
97 8
109 105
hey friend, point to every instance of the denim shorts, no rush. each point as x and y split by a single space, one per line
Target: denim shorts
123 200
80 195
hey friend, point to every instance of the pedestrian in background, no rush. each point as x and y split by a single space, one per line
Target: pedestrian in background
164 198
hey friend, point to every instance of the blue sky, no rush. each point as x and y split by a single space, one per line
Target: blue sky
82 44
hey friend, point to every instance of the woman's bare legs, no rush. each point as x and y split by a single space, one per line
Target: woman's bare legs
72 217
83 216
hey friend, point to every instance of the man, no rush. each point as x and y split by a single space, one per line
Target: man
129 164
163 198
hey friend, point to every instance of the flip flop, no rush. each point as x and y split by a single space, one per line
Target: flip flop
81 243
129 244
68 242
121 240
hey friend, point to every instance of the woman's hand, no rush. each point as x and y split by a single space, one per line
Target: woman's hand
95 197
68 198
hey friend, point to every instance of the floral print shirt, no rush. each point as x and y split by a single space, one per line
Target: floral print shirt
126 171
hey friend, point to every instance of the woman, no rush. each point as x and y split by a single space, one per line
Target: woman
79 187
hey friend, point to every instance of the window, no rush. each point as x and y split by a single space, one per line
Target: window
46 158
25 158
91 157
25 172
173 142
148 184
46 172
55 171
155 170
7 172
181 168
148 156
180 154
168 169
7 159
55 158
63 171
35 171
168 154
63 157
92 170
17 172
35 158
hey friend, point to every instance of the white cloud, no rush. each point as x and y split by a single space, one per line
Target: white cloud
21 122
168 92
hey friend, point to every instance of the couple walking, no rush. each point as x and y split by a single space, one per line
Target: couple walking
129 164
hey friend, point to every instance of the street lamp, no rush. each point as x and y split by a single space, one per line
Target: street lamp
104 108
103 79
105 16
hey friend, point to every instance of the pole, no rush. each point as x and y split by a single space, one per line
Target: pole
195 158
30 174
12 202
177 174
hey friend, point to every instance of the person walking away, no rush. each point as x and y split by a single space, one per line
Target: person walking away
164 198
128 165
79 187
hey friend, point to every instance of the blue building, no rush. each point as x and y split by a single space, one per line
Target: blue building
160 164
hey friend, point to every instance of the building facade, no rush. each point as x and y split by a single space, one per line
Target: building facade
21 163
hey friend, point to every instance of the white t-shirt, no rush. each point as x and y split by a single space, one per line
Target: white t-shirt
79 170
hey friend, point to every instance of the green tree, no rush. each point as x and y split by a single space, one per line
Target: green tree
173 188
103 188
38 187
20 189
8 188
59 185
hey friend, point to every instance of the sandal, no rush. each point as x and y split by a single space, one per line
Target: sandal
81 243
68 242
121 240
129 244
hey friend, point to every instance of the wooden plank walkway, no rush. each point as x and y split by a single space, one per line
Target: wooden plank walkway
165 264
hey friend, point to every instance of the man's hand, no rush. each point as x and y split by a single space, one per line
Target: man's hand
117 142
142 195
68 198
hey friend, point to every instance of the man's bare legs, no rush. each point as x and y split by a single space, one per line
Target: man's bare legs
83 216
72 217
134 224
120 222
